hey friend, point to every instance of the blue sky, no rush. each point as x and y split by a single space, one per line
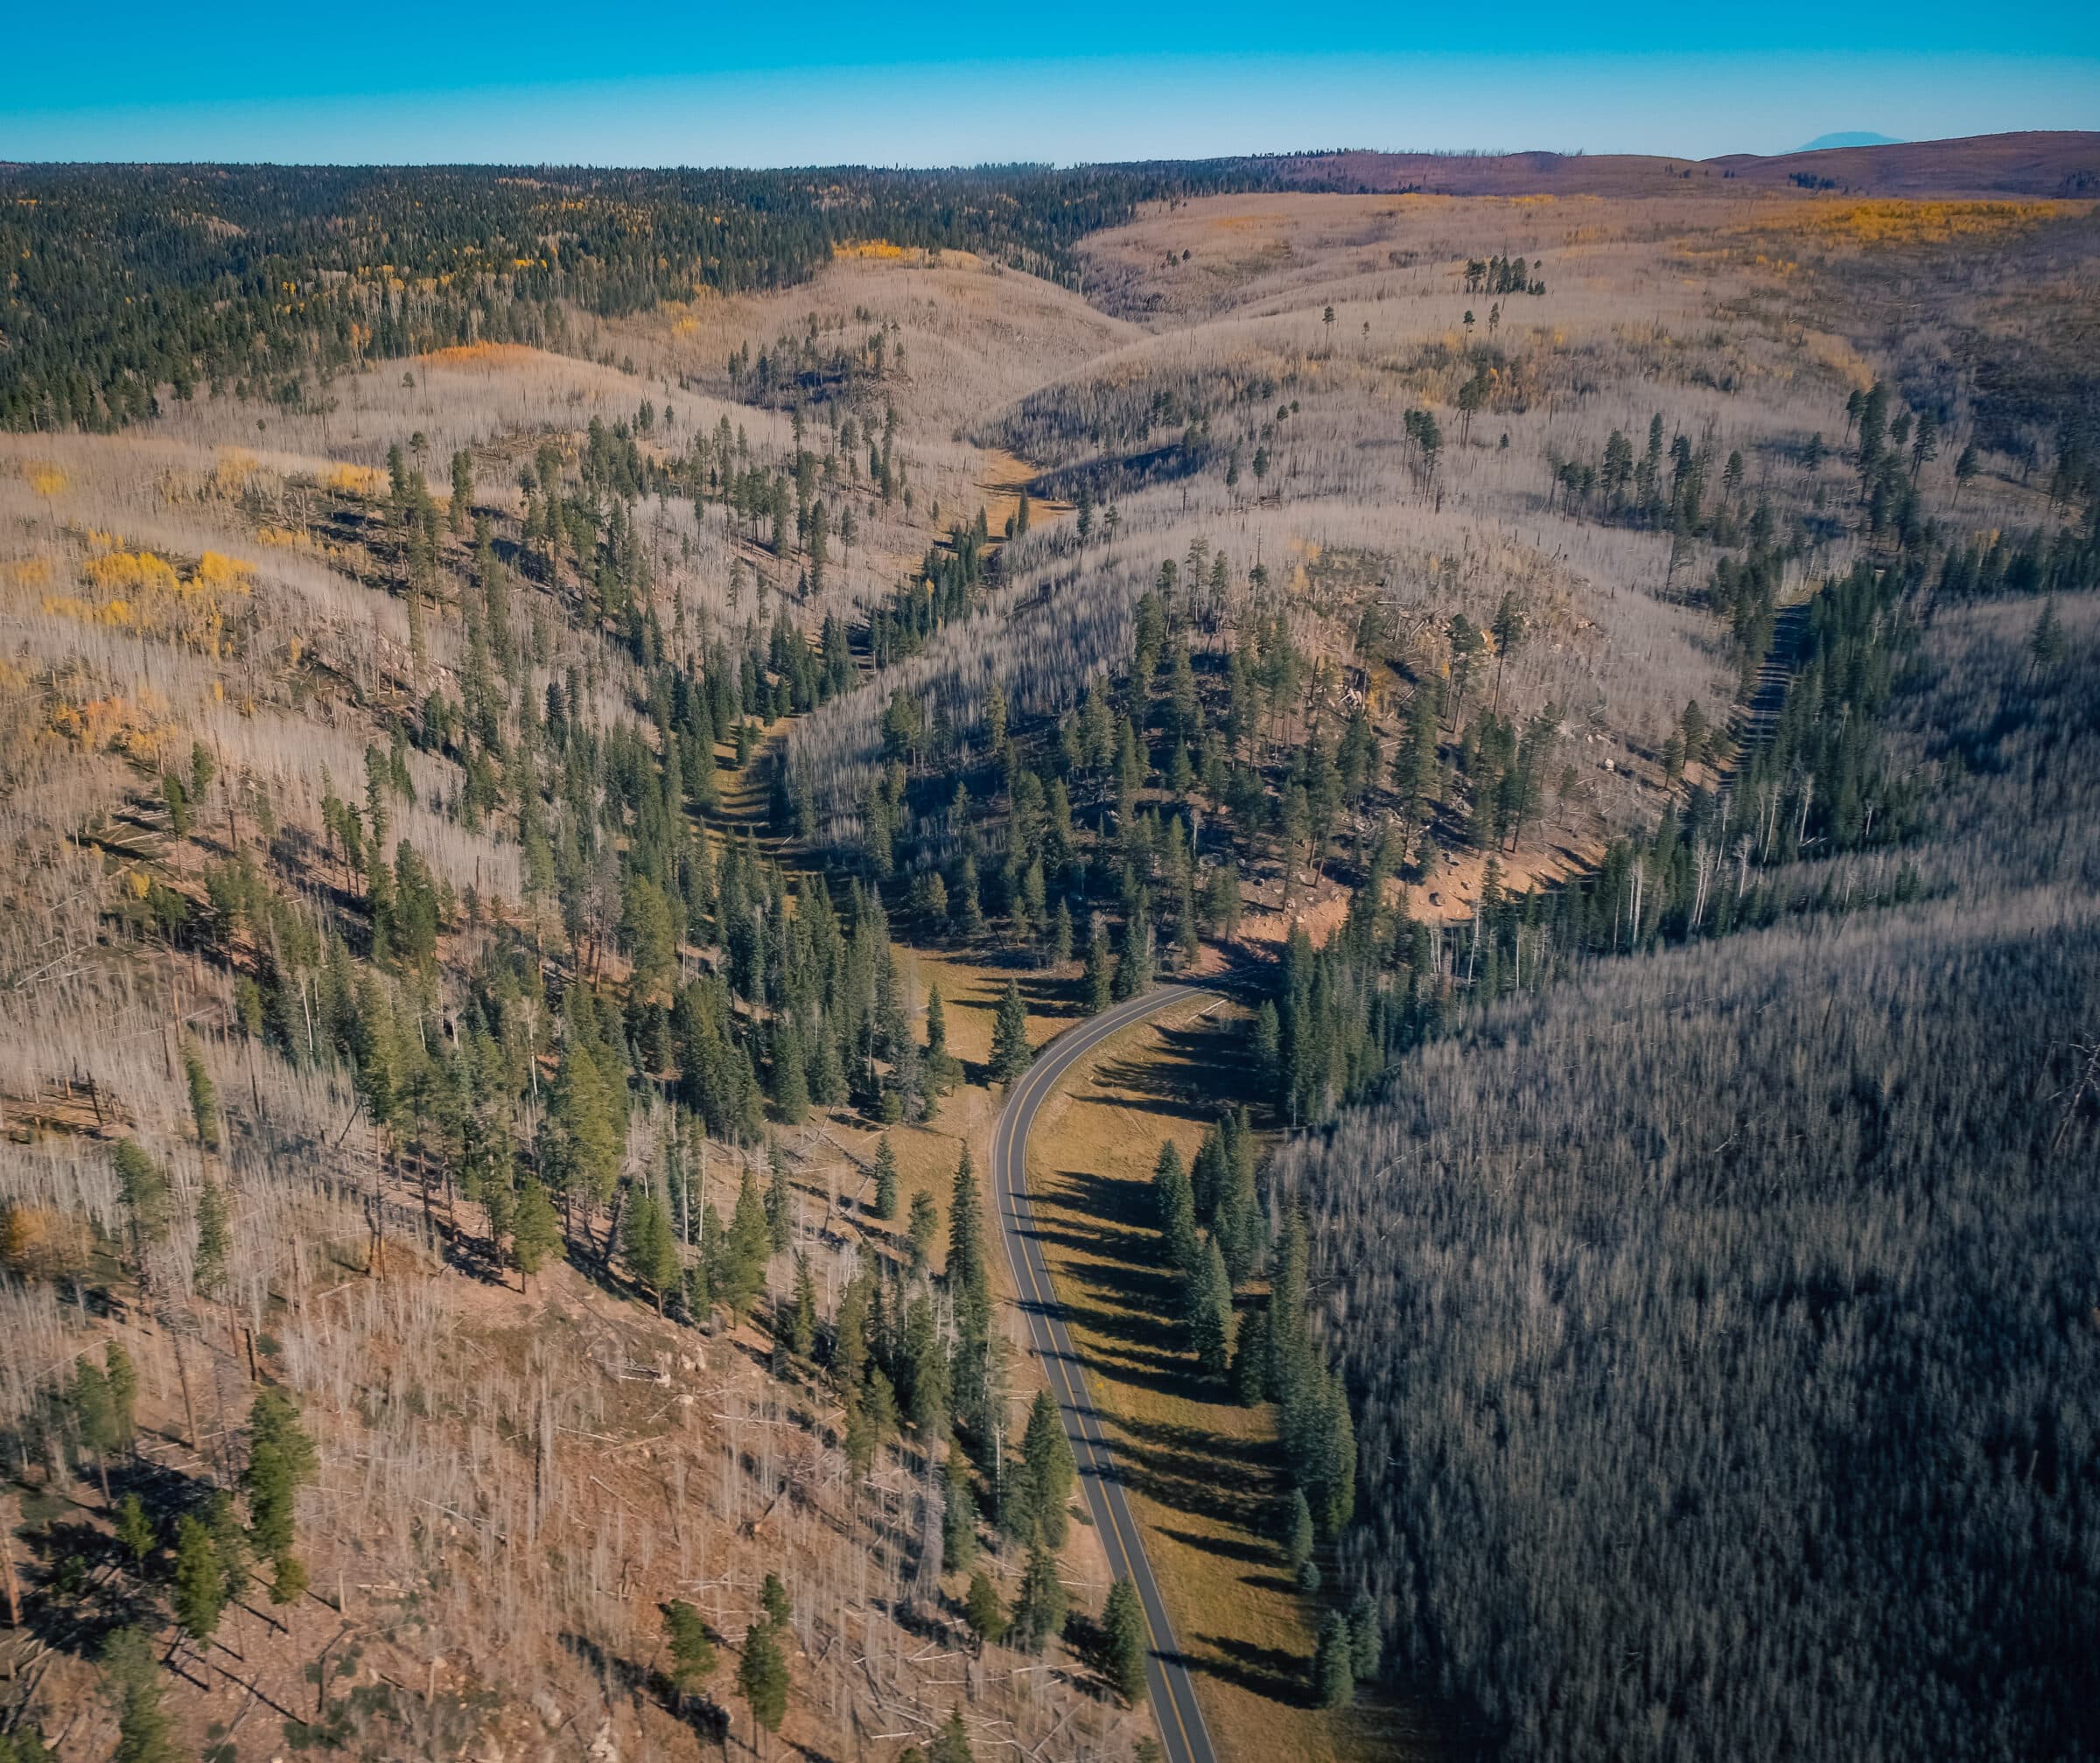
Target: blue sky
657 83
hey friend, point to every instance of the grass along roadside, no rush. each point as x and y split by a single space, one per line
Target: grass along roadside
1203 1475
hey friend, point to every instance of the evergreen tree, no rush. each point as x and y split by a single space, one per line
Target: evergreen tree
1039 1611
968 1275
1048 1472
779 1209
790 1075
199 1591
1334 1664
134 1530
214 1241
802 1327
1174 1207
739 1271
1367 1635
958 1512
1251 1358
1125 1642
536 1232
885 1178
121 1378
649 1247
762 1679
1097 988
143 1189
586 1138
951 1744
692 1649
1010 1052
1134 969
94 1416
204 1095
1207 1312
281 1460
131 1679
1299 1542
980 1609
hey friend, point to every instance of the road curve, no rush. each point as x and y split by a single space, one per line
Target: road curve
1173 1695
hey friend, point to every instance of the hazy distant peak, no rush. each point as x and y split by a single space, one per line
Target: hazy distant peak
1849 137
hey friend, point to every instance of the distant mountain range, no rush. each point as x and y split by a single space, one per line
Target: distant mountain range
1849 137
2065 162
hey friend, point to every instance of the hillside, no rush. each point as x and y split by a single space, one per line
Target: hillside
549 784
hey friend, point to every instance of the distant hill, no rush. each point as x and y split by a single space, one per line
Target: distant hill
1849 137
2063 163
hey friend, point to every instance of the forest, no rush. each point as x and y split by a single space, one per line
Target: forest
566 737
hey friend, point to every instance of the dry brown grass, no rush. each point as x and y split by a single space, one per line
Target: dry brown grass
1200 1471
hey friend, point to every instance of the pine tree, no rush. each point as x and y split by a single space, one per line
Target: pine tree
145 1192
958 1512
1367 1636
1048 1475
580 1109
969 1279
199 1590
1298 1543
281 1460
773 1596
1334 1664
1125 1642
131 1678
650 1249
1010 1052
885 1178
740 1274
941 1067
1251 1358
121 1377
762 1679
779 1211
1174 1207
1290 1345
691 1649
951 1744
536 1232
802 1327
94 1416
204 1095
1207 1312
922 1232
214 1241
1134 969
1097 987
980 1609
1039 1611
790 1075
134 1530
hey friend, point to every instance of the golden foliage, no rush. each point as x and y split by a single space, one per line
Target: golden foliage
142 591
1894 221
480 354
39 1242
877 250
46 478
356 481
137 728
233 470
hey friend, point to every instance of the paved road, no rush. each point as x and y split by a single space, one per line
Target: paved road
1173 1695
